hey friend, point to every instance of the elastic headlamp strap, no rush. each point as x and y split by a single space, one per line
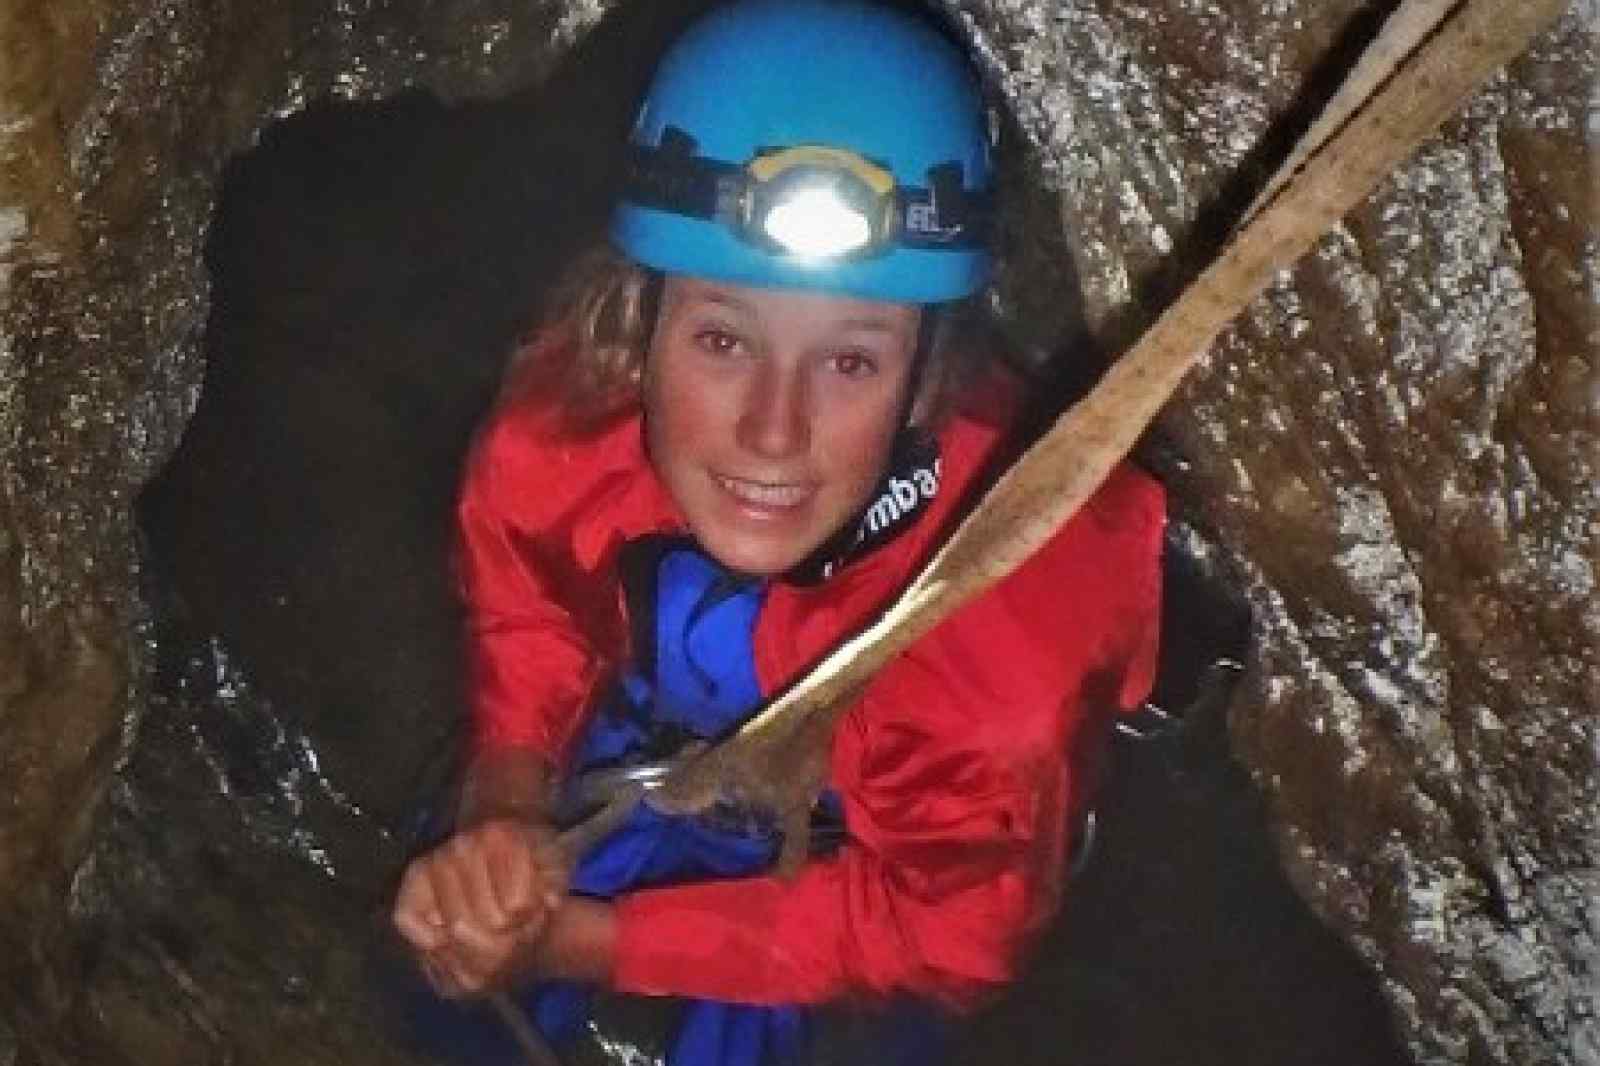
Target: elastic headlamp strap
927 329
650 303
672 177
650 318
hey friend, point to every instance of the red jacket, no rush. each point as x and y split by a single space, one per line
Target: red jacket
959 770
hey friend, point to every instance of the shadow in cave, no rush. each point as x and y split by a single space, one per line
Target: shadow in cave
372 265
1181 940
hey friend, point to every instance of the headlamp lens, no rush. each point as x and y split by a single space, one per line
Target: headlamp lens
817 203
815 222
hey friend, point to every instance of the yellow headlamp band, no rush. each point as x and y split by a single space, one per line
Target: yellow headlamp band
768 166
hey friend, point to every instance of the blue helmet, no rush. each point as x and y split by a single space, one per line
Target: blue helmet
833 145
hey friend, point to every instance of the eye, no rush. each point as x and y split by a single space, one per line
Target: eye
853 363
718 341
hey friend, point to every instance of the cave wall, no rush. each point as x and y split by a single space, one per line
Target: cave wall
1394 453
1398 448
118 118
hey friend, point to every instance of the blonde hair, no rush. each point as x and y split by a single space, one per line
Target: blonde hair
588 348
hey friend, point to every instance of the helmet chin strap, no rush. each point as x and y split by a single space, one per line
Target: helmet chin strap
655 282
927 326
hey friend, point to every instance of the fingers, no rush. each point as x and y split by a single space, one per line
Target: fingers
551 868
442 978
524 872
465 889
416 911
473 908
442 914
512 877
419 919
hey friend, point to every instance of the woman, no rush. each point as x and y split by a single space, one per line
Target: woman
741 433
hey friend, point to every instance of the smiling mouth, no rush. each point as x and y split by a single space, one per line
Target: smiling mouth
766 494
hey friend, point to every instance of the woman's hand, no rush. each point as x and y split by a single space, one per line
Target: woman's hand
476 908
490 903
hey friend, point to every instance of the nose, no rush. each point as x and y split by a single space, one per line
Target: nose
775 422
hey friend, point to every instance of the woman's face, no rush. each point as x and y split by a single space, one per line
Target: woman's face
770 413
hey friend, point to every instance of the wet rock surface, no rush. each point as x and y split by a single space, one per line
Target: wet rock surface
208 756
1398 444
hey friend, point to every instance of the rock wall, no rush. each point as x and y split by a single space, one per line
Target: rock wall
1394 453
117 118
1398 448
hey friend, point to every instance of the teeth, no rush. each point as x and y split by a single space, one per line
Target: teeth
764 495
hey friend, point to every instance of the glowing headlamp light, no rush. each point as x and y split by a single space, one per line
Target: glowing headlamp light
810 202
817 203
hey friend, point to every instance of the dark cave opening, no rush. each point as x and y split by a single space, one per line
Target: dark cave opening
371 266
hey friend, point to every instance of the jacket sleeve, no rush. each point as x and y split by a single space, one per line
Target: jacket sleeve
531 662
957 772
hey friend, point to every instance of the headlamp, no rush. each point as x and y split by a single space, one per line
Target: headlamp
817 203
810 202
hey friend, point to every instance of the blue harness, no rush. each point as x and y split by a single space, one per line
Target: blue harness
693 677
